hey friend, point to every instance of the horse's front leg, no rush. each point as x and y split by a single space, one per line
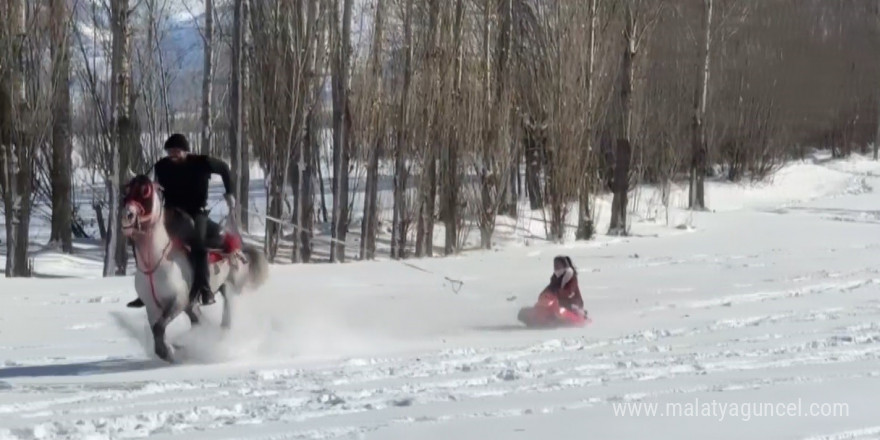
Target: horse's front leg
163 350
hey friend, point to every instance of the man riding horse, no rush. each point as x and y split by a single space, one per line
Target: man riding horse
184 178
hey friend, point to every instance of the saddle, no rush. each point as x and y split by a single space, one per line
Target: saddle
231 242
231 246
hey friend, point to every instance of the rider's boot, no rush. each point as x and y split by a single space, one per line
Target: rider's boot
199 258
137 303
201 289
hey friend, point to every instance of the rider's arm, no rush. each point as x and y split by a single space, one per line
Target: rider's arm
217 166
156 172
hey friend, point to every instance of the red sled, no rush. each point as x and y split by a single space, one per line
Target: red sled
547 313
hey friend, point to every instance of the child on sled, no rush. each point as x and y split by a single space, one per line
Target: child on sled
564 284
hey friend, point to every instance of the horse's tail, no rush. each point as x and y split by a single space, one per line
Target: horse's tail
258 266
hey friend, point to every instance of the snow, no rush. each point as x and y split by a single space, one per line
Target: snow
764 309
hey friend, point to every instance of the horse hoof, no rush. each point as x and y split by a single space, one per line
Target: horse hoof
165 353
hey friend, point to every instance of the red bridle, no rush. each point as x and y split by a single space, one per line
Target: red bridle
143 203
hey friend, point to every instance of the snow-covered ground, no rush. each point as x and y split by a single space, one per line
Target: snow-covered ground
744 325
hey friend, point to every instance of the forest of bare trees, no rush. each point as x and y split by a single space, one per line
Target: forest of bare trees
377 121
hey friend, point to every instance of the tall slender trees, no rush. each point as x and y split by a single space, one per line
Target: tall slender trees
465 105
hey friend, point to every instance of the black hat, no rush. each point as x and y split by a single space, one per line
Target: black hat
177 140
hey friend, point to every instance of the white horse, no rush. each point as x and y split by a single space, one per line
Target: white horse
164 274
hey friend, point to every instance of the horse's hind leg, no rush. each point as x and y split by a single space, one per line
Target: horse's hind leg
226 322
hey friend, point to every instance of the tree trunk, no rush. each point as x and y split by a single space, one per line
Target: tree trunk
341 135
12 140
370 224
62 205
512 193
697 198
99 218
306 198
235 103
430 201
119 102
533 139
450 153
207 72
371 209
23 267
429 139
621 188
507 189
274 209
486 216
337 121
399 220
295 178
624 149
245 177
128 143
10 188
324 216
586 228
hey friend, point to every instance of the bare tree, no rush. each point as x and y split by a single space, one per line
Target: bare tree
400 220
699 150
376 119
14 170
306 142
341 128
235 100
61 176
246 138
114 260
586 228
207 79
152 79
430 139
494 161
450 155
639 18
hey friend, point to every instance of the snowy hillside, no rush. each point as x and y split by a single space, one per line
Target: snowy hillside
762 320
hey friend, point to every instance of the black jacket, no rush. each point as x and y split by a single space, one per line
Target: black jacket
185 183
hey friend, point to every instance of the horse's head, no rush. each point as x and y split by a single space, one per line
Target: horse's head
139 201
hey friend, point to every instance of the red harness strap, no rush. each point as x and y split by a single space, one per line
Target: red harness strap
149 272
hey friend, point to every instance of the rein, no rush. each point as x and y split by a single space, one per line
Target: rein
144 228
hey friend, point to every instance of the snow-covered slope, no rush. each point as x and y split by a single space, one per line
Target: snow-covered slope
764 312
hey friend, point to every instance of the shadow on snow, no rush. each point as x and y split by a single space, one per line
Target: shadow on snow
108 366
